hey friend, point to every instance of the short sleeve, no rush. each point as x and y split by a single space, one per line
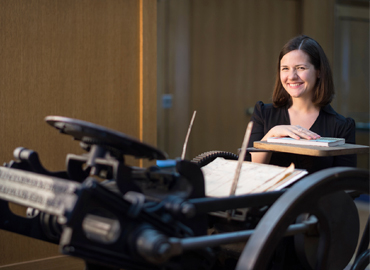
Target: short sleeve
347 131
258 119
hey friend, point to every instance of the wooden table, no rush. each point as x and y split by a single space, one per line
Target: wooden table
346 149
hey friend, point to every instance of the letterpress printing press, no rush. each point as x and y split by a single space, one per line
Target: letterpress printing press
116 216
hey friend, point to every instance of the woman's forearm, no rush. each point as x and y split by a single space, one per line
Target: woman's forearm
261 157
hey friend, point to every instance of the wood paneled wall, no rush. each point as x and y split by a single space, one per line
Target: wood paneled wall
352 69
235 45
232 49
174 58
318 23
89 59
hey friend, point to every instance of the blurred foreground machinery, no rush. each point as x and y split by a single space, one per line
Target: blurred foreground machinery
116 216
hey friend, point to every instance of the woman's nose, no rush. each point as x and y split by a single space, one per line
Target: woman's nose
292 74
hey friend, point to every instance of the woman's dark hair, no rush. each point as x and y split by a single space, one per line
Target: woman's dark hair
324 88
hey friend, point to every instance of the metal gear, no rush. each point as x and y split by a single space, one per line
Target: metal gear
207 157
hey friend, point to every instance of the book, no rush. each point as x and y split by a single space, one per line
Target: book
254 177
323 141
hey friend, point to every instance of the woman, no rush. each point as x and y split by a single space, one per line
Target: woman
301 107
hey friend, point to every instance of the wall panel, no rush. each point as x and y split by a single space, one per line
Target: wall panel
174 26
351 70
89 59
318 23
224 63
234 45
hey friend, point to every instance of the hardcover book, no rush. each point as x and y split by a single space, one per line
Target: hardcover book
323 141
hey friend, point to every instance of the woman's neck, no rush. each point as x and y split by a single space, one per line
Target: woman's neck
303 114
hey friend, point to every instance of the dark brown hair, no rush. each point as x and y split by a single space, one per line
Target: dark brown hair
324 88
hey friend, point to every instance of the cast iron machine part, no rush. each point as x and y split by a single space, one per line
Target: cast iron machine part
158 219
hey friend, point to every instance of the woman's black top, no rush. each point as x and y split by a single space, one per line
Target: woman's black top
328 124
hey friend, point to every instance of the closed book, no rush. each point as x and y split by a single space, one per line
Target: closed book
323 141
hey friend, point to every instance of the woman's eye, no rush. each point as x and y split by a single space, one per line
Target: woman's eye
301 68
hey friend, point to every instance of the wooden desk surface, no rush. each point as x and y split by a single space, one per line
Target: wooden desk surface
309 150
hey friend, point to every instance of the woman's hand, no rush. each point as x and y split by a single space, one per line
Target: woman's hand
295 132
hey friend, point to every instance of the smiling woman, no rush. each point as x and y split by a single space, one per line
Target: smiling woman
301 107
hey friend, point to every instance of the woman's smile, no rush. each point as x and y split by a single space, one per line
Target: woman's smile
294 85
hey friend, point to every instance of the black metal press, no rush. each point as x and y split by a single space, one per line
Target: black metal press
116 216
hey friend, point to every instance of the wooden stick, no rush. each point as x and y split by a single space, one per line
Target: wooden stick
241 158
187 136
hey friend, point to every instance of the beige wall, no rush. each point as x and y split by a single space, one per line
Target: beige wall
90 59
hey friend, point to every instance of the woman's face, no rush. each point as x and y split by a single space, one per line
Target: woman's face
297 75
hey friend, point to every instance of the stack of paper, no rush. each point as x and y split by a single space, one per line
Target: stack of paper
254 177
